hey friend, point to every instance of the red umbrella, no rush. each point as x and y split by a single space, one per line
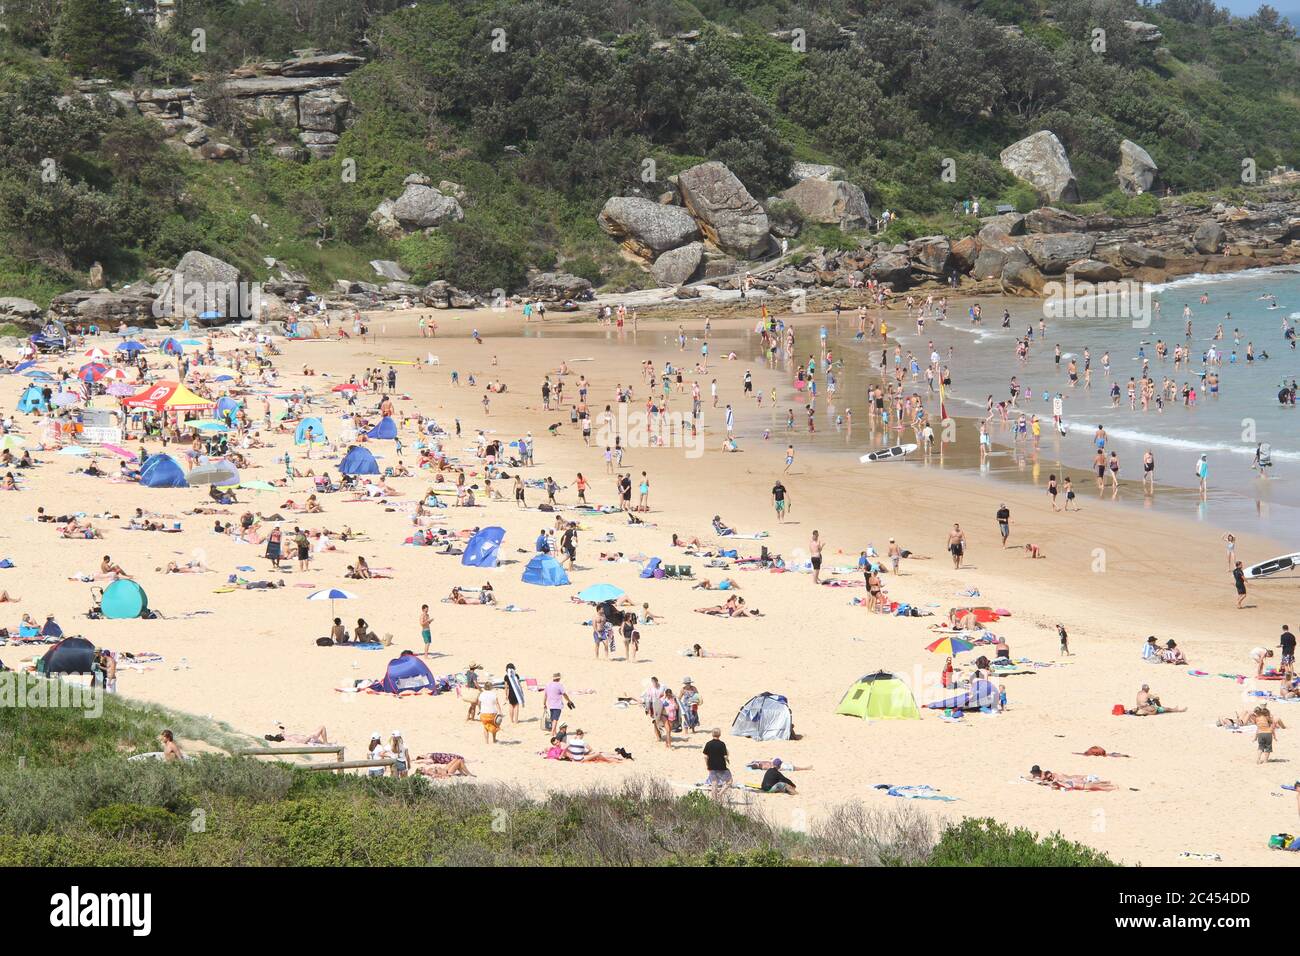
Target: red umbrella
346 387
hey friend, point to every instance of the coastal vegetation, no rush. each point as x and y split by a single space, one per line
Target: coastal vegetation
542 109
69 797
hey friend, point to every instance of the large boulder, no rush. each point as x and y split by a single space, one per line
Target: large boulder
201 283
1021 275
1208 238
1137 170
931 254
1040 160
728 215
103 306
558 286
830 202
894 268
1093 270
1001 226
21 308
993 257
323 111
1051 219
423 207
801 171
646 228
1053 252
677 266
1140 256
964 253
1144 32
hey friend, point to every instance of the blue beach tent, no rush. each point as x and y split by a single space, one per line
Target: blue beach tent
483 548
544 570
317 431
386 428
163 471
123 600
33 399
405 675
359 461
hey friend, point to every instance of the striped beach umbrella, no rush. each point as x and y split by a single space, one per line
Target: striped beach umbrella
948 646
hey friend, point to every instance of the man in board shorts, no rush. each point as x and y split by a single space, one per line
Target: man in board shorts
778 497
956 545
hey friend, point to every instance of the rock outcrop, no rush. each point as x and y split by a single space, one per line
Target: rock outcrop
830 202
420 206
1040 160
1137 170
645 228
679 265
301 94
558 286
727 214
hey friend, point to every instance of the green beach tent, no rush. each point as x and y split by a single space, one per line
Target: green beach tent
879 696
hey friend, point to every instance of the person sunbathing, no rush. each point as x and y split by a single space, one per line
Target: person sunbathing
774 762
109 566
724 584
683 542
195 566
313 506
441 765
6 599
721 528
456 597
318 736
1068 781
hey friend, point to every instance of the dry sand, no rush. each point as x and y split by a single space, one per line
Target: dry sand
252 660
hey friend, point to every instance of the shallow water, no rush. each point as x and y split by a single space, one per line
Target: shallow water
1225 427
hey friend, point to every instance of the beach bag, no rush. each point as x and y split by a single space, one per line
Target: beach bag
470 694
1280 841
324 642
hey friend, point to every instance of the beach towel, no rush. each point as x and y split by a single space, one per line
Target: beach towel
913 792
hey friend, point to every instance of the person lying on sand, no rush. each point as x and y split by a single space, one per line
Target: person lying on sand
441 765
576 749
318 736
1148 704
724 584
6 599
1068 781
683 542
774 762
734 607
696 651
194 566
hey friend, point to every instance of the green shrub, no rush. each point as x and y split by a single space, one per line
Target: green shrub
986 842
123 819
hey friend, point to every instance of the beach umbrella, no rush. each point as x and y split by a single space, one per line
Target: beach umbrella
24 366
131 346
948 646
96 355
600 593
121 389
11 443
219 472
208 425
119 451
346 387
331 595
115 375
224 378
92 372
38 375
65 400
192 342
74 450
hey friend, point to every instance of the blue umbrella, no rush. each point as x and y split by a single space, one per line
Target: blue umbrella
600 593
130 346
331 595
38 374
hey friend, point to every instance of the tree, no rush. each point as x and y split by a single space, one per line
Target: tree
99 37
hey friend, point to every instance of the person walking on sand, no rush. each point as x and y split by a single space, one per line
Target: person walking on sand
815 552
1266 728
956 545
1230 540
1004 522
780 500
489 712
715 761
1239 579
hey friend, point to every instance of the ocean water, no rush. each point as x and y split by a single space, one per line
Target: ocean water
982 359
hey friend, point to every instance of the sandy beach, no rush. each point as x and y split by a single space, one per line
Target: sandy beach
1112 574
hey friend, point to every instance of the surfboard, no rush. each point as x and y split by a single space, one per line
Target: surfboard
898 451
1286 562
388 361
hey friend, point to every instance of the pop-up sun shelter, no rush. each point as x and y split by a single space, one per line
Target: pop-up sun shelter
546 571
481 551
765 717
359 461
123 600
386 428
163 471
317 431
405 675
72 655
879 696
982 693
168 397
33 400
